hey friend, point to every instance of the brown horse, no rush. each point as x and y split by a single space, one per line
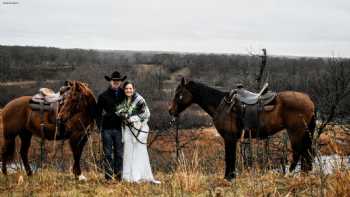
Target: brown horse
75 113
293 111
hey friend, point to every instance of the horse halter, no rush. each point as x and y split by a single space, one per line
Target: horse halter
177 104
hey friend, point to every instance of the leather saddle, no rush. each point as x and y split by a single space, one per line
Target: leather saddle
251 98
45 100
248 105
46 103
252 105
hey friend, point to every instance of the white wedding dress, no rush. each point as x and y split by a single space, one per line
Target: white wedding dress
136 164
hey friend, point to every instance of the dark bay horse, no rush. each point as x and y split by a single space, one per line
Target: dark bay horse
293 111
75 113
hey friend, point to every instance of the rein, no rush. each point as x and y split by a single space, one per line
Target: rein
131 127
86 133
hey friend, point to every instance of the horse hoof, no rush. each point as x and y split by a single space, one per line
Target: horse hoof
229 179
82 178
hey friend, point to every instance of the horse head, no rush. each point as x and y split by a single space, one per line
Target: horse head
77 98
183 98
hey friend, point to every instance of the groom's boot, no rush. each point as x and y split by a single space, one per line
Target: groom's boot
108 176
108 172
117 176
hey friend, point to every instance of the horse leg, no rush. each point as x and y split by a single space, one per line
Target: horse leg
8 151
296 157
296 147
302 149
230 159
307 154
77 146
25 144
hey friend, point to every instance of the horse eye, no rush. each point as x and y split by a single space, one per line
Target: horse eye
180 97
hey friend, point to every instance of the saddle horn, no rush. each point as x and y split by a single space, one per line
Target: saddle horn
264 88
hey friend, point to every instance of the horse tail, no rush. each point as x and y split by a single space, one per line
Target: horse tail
9 144
8 149
311 128
312 124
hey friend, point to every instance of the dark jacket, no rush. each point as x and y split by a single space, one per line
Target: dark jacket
106 108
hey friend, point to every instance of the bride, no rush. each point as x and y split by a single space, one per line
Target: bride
135 113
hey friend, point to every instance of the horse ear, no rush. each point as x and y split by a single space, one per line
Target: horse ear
68 83
78 87
183 81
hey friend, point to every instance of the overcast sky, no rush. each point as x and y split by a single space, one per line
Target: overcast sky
294 27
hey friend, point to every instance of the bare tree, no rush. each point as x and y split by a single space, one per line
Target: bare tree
330 91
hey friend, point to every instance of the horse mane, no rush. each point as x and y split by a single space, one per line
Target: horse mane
205 94
82 87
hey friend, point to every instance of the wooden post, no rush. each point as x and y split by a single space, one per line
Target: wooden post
262 69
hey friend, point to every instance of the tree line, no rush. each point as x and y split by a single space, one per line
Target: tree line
326 80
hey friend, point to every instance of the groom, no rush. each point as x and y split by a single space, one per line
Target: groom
110 125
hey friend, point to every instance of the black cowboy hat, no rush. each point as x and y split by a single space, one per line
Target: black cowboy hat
115 76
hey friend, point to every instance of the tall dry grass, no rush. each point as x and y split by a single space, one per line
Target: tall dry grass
187 179
197 172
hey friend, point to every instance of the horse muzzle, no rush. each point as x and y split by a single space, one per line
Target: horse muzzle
172 110
173 113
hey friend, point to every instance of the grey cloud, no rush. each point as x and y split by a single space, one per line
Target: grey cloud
306 28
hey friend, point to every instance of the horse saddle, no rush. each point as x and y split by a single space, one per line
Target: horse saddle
45 100
253 104
251 98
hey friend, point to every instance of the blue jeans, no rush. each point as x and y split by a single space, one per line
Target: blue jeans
113 152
